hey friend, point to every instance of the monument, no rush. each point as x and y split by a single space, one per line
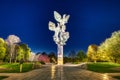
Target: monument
60 36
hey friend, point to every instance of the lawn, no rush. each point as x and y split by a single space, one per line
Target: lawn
117 77
14 67
3 77
104 67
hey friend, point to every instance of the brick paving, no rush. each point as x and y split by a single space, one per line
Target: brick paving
54 72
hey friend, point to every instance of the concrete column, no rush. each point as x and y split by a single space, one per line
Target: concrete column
60 55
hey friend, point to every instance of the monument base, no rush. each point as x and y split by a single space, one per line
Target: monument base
60 61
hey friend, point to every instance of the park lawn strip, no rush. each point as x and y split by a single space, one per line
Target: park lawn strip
117 77
103 67
15 67
3 77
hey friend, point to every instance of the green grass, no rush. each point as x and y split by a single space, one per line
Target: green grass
14 67
103 67
117 77
3 77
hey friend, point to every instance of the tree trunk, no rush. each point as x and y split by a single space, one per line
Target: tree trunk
115 60
11 52
95 61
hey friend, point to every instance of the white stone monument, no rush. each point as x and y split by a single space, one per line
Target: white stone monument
60 36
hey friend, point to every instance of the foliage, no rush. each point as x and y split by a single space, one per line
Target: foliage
103 67
53 58
44 58
12 51
37 65
102 54
110 48
11 41
75 58
41 62
41 57
32 56
2 49
66 59
72 55
75 62
2 52
81 55
20 54
92 52
25 52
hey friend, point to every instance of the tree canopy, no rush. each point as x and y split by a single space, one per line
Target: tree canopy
110 48
81 55
2 49
12 50
92 52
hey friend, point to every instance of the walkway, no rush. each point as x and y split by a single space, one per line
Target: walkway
55 72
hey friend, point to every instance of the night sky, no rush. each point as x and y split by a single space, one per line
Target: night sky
91 22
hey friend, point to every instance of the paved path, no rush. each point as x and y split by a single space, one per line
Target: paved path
55 72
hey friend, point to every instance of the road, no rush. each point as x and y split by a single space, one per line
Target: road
55 72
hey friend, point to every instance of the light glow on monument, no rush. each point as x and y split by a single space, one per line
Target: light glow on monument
60 36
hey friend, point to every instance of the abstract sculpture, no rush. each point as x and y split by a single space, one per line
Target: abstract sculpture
60 36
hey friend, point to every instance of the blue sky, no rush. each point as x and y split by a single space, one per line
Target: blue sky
91 22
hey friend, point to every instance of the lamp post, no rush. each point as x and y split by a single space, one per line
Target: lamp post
60 36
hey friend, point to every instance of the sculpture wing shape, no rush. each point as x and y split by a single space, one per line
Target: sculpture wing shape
57 16
51 26
66 18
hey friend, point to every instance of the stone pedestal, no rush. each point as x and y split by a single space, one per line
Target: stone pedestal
60 55
60 61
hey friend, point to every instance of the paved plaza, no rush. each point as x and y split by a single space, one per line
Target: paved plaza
55 72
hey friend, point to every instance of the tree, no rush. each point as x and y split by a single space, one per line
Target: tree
92 52
81 55
32 56
11 41
43 58
111 47
25 51
52 57
2 49
72 55
37 56
102 53
20 53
